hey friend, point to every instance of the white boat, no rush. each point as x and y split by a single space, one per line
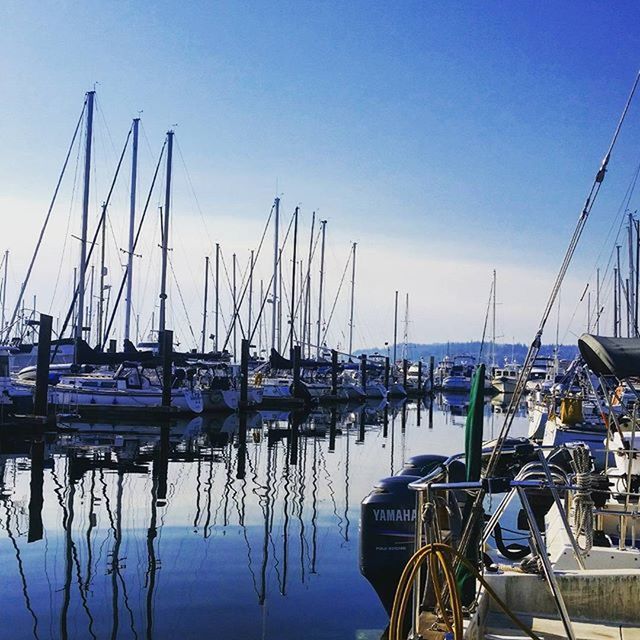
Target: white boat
13 398
505 378
128 389
348 387
460 373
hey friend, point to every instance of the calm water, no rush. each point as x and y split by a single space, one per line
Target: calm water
149 533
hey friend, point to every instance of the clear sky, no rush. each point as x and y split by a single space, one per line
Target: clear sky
446 138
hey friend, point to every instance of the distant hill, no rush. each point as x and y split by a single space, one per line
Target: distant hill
440 349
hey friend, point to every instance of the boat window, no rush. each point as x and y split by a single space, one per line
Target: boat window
108 384
4 367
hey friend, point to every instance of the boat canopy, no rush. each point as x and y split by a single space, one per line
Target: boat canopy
619 357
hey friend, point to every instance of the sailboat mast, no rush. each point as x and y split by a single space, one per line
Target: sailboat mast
85 215
307 306
234 316
395 330
631 292
103 240
274 293
4 290
132 221
324 227
204 306
353 292
598 301
217 313
493 324
249 325
405 337
293 279
165 234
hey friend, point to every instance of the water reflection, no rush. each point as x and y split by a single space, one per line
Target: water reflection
233 526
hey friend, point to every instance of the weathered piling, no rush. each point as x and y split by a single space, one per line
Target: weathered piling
431 413
40 403
244 373
362 426
334 373
363 371
166 351
420 389
386 372
405 369
113 346
295 357
431 370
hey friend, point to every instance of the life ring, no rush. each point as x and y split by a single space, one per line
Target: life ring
257 380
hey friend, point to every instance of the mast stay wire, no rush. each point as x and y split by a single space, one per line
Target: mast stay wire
93 242
135 244
335 300
245 283
46 222
268 287
184 307
536 344
66 234
303 292
622 210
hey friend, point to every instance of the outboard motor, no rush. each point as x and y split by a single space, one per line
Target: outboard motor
387 524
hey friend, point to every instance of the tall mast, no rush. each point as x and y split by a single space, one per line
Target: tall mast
260 319
274 294
85 215
405 337
293 279
631 292
204 306
279 299
249 325
598 301
132 220
217 313
234 317
307 306
91 299
165 234
324 228
103 241
4 291
353 292
493 323
395 330
619 293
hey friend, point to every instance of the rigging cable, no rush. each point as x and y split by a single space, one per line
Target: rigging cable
135 244
245 285
333 308
93 242
46 222
536 344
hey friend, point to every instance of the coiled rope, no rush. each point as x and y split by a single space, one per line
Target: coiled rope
440 556
582 510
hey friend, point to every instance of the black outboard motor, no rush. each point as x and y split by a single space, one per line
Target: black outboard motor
387 523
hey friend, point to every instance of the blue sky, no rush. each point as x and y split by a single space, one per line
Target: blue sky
447 138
